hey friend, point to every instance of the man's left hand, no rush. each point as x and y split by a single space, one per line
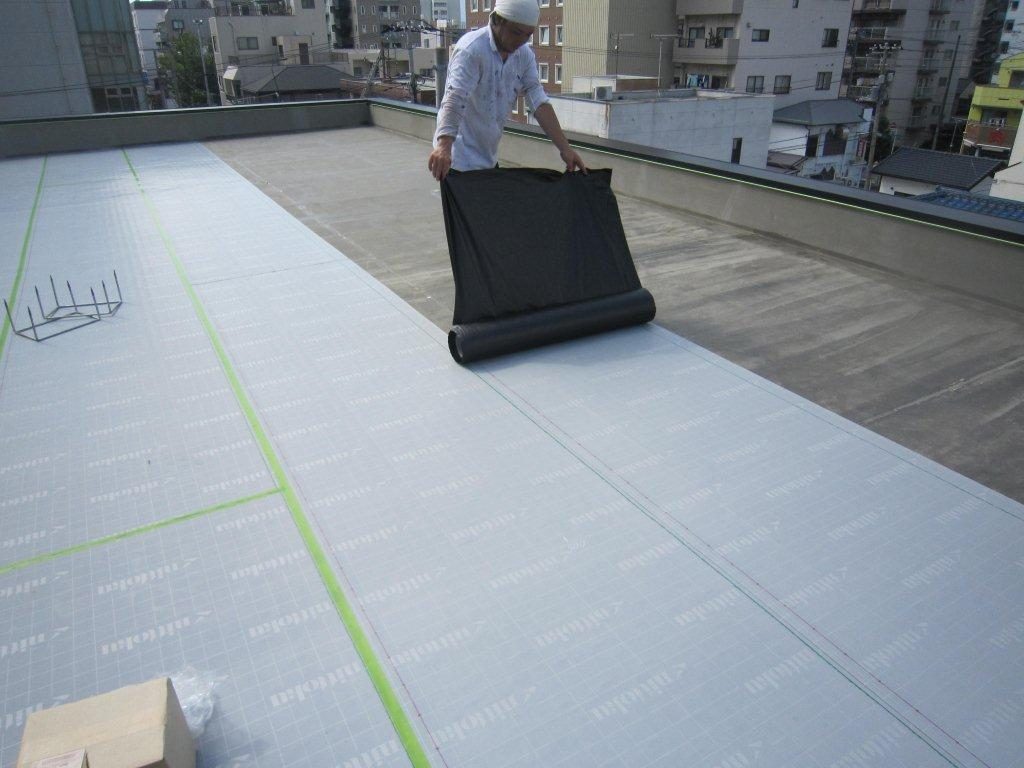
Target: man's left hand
572 160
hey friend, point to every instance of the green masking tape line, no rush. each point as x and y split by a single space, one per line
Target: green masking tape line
375 670
133 532
5 326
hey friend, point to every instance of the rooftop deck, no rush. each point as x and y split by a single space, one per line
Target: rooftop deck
664 546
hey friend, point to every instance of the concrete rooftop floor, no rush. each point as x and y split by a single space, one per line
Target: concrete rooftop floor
936 371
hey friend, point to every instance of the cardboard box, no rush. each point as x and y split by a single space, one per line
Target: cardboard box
138 726
76 759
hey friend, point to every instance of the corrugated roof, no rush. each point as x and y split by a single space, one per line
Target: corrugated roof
963 201
821 112
939 168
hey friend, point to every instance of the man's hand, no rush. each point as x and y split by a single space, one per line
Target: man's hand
572 160
440 161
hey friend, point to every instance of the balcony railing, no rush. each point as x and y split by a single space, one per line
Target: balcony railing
934 36
923 93
939 6
879 6
710 50
927 64
862 92
871 64
877 34
990 135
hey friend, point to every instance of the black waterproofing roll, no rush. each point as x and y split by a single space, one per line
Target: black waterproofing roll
538 257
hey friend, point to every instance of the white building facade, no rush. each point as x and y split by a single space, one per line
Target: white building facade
788 48
720 126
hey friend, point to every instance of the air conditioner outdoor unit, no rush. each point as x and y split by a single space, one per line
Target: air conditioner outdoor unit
603 93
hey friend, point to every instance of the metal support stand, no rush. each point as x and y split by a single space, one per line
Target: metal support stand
79 314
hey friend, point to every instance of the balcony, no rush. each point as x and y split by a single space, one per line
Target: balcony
917 122
880 6
712 50
862 92
709 7
923 93
877 34
934 36
939 6
927 65
989 135
866 65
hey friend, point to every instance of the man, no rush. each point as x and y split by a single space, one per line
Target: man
489 68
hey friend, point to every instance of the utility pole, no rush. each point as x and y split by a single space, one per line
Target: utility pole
945 96
661 39
618 35
884 49
202 58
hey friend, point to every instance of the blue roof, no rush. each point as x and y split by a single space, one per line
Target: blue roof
962 201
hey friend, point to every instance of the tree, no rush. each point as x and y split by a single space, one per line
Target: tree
182 69
885 140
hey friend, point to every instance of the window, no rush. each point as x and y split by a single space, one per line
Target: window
1009 25
737 150
309 4
559 3
830 39
1017 79
545 3
487 5
213 40
558 33
796 3
558 73
177 24
474 5
760 35
1004 47
755 84
781 84
812 146
542 72
362 10
545 35
954 25
824 81
250 43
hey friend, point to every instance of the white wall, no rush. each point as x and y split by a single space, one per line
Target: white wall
891 186
704 126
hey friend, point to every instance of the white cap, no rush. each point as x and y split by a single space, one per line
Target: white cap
525 12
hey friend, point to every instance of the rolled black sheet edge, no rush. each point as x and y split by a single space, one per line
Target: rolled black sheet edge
469 342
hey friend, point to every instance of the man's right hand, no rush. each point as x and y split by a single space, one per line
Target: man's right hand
440 161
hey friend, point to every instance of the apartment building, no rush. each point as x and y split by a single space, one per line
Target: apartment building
1011 40
791 48
69 57
371 25
924 49
548 44
619 37
39 56
995 114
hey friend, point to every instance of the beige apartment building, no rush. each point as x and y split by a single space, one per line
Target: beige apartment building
790 48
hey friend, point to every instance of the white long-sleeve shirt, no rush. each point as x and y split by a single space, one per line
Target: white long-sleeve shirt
479 94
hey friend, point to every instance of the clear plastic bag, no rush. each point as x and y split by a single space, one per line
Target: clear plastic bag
195 692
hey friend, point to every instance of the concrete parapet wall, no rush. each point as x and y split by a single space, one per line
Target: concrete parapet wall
978 255
83 132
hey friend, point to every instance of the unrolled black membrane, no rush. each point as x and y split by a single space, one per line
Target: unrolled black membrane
538 257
